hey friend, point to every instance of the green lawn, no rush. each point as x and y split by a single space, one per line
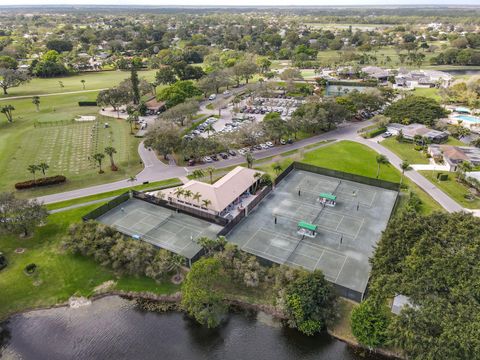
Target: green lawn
428 92
66 148
93 81
60 275
453 188
405 150
351 157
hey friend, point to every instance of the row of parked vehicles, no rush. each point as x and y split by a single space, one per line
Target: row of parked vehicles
203 127
231 153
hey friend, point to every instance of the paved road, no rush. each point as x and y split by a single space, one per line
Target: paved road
443 199
156 170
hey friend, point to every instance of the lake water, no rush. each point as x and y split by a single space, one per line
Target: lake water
113 328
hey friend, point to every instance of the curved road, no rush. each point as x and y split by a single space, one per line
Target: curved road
156 170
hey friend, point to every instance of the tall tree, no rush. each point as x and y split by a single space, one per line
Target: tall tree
110 151
10 78
165 76
20 215
201 297
43 167
381 160
33 169
165 139
135 85
36 102
7 110
98 157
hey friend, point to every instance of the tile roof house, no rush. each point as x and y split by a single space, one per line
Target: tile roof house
223 195
455 155
410 131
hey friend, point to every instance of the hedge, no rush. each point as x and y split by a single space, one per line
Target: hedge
374 133
52 180
87 103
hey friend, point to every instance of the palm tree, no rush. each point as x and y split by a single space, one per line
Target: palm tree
36 102
196 197
405 165
197 174
83 83
464 167
7 110
131 119
249 159
110 150
98 157
187 194
209 128
277 168
256 176
179 191
381 160
206 203
33 169
43 167
176 263
210 171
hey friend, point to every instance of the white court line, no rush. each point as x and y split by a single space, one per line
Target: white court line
319 258
344 261
360 228
266 255
254 234
343 217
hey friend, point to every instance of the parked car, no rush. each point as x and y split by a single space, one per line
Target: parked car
223 155
290 141
226 93
214 157
207 159
191 162
386 134
212 97
269 144
232 152
283 142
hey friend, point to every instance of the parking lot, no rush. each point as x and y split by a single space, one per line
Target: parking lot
248 112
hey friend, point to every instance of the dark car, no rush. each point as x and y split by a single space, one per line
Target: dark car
214 157
191 162
223 155
232 152
290 141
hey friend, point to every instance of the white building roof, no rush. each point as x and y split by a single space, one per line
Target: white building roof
224 191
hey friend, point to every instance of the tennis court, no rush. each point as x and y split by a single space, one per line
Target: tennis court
345 233
162 227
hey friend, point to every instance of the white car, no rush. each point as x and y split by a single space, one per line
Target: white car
264 146
226 93
212 97
207 159
269 144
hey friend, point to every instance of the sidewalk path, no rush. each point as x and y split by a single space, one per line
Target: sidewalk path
52 94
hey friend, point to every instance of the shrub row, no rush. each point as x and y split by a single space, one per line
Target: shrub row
51 180
87 103
373 133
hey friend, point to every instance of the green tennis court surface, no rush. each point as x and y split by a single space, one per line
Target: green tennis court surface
346 233
159 226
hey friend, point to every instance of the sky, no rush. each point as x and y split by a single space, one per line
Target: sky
241 2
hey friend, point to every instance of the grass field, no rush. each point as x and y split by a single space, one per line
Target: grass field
66 148
405 151
93 81
353 158
60 275
432 93
452 188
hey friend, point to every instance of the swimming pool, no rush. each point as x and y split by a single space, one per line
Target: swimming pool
468 118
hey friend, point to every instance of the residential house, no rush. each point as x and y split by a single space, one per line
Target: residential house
453 156
412 130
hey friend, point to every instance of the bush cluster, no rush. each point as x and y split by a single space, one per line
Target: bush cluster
51 180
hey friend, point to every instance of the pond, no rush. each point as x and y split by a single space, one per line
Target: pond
114 328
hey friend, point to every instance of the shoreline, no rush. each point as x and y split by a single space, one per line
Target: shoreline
174 299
